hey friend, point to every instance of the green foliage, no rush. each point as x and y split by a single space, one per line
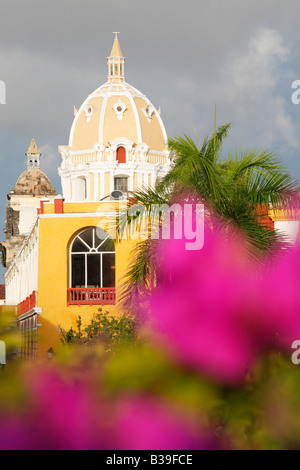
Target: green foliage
114 331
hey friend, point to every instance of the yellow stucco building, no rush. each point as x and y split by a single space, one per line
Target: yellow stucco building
68 264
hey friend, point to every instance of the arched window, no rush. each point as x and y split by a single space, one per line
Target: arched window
92 260
121 155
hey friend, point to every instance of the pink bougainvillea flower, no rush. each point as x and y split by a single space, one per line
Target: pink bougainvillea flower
66 412
281 302
144 423
14 435
216 311
62 413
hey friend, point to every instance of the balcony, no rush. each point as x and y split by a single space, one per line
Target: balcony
28 304
92 296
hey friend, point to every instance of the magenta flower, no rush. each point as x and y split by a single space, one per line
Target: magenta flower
281 302
14 435
144 423
215 311
62 414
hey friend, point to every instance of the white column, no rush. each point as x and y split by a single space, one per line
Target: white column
96 186
131 182
140 179
146 180
153 179
88 186
72 189
102 185
111 181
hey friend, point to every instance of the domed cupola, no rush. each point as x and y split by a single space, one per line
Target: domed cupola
117 140
33 182
23 201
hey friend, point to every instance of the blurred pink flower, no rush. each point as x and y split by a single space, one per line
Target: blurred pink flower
14 435
62 414
216 311
67 412
144 423
281 302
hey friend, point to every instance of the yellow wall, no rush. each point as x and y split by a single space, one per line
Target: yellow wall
55 235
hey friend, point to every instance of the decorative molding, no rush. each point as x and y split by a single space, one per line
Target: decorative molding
119 107
88 110
149 111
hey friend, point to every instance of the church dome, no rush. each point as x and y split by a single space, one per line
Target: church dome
117 141
117 109
33 182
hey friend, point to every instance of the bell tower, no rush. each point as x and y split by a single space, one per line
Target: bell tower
33 156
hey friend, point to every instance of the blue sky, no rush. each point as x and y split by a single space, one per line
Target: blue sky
185 56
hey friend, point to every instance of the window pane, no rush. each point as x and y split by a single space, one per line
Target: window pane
108 270
121 184
78 246
108 245
78 270
87 236
93 270
100 236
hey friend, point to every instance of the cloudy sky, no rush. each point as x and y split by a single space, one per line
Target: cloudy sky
185 56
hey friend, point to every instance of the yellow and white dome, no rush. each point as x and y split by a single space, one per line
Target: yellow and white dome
113 110
116 119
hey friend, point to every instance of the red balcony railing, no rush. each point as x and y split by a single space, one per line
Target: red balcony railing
92 296
28 304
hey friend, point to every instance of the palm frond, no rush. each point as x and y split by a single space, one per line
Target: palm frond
140 274
259 161
139 206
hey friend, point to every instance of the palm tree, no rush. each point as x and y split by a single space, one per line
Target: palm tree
232 188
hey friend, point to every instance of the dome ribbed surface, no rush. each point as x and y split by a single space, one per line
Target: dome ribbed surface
33 182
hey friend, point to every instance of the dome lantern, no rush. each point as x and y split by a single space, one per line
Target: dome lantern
116 61
33 156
